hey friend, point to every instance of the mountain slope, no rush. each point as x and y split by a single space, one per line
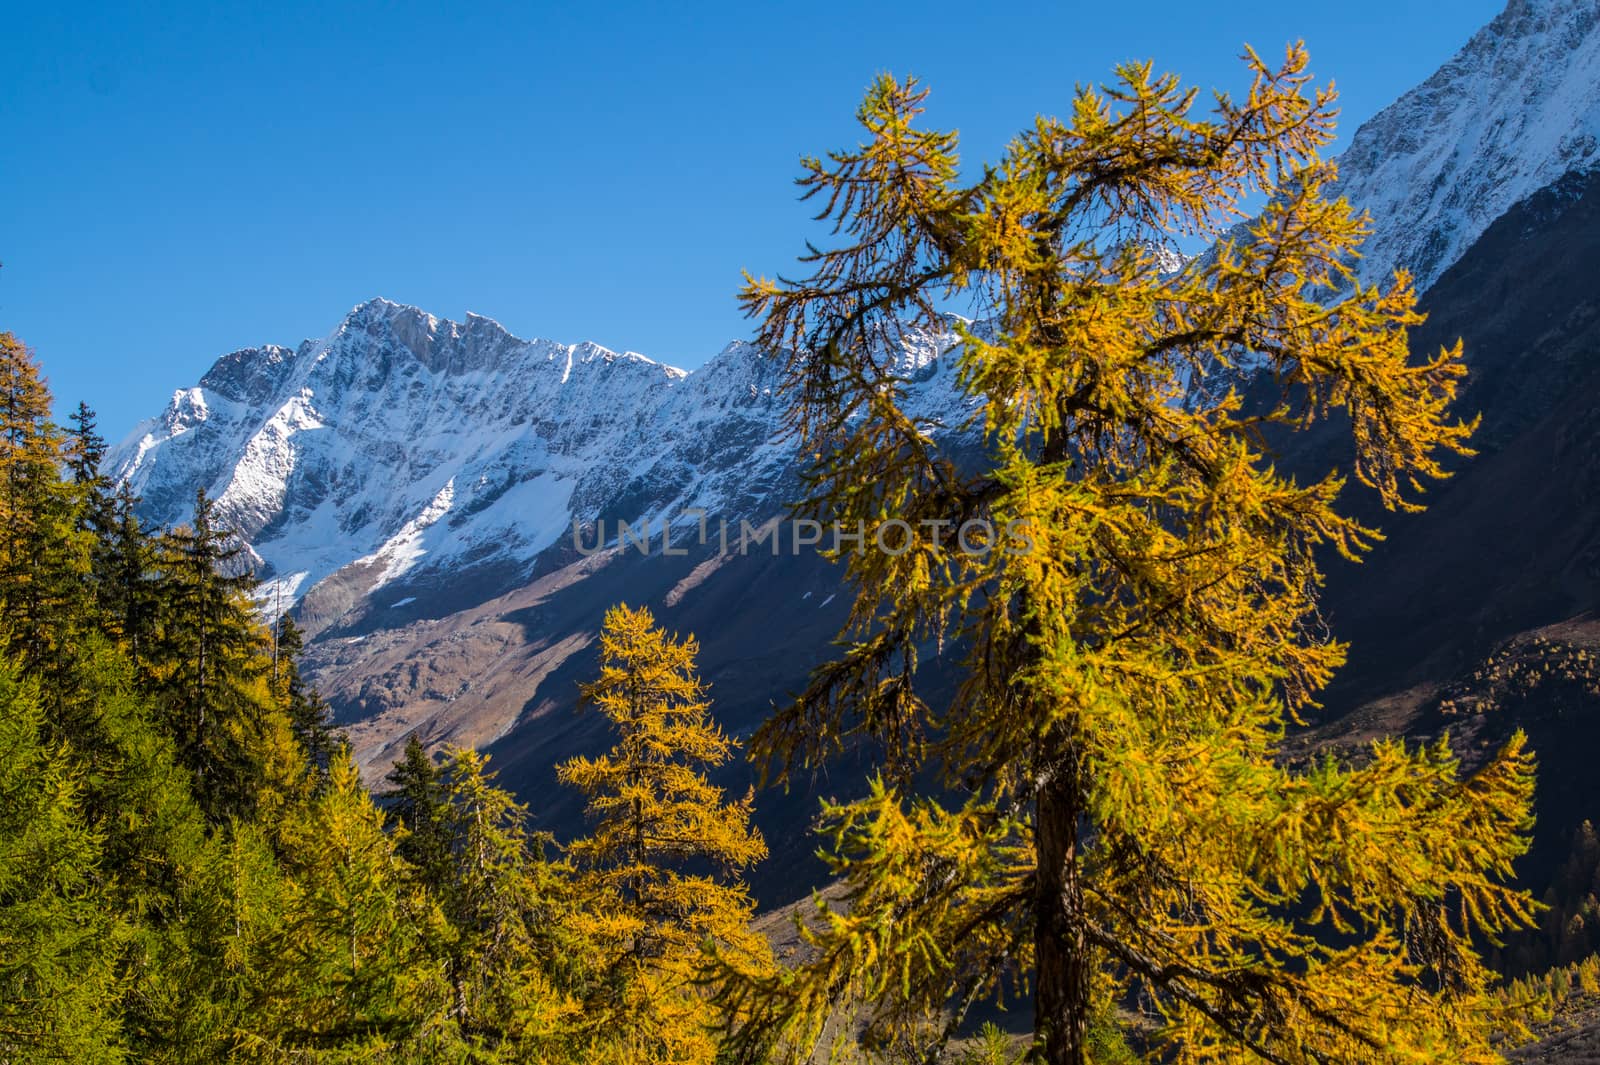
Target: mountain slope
412 464
1516 109
1512 540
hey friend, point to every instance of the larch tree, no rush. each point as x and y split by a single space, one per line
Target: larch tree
355 960
657 872
1139 626
44 556
59 939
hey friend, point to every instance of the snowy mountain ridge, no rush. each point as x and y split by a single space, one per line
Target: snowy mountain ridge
404 445
1513 111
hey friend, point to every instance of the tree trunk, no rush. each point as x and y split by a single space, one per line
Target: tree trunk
1061 994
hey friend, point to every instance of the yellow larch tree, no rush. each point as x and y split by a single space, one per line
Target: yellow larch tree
658 873
1117 825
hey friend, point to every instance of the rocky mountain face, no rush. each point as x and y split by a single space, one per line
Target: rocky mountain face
401 447
1514 111
410 485
406 466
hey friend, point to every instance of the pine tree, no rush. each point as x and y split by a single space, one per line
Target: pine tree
86 453
129 585
211 659
308 714
1137 625
88 449
415 802
664 845
97 508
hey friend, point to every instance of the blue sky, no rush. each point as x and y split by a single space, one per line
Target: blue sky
183 180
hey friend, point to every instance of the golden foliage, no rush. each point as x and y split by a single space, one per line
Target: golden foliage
1129 832
656 869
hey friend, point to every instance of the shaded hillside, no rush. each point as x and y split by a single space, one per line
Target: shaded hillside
1512 541
504 676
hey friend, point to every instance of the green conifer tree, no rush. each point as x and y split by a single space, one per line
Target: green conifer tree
86 453
415 803
211 662
129 587
59 939
308 713
96 504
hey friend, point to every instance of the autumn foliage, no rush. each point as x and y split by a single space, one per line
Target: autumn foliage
1116 827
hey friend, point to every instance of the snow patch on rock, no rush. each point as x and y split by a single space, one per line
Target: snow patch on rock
1516 109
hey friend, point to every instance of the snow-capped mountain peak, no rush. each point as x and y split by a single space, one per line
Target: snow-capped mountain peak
403 445
322 455
1513 111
